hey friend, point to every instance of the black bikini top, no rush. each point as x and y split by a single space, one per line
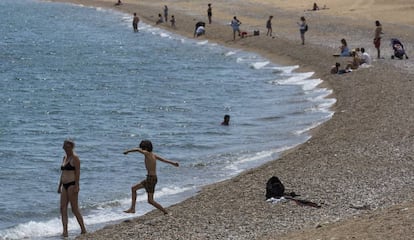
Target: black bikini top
67 167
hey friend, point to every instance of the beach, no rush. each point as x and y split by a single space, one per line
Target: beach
357 166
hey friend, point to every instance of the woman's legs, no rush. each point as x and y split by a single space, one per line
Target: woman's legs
73 199
64 200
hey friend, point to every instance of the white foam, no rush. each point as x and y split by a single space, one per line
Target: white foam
286 69
236 167
259 65
230 53
202 42
105 212
34 229
308 128
164 35
310 84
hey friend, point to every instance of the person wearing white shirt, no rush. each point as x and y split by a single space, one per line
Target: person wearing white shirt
366 58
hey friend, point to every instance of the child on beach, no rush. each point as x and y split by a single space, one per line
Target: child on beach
145 147
269 26
172 21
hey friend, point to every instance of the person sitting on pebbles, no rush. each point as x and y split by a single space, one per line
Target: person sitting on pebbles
335 69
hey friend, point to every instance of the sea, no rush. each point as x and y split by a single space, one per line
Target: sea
70 71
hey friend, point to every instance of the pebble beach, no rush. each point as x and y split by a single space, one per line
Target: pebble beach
358 166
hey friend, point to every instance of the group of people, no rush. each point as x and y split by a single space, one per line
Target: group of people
162 19
359 55
359 58
68 187
200 27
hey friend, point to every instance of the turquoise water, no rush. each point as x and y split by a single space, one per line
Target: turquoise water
79 72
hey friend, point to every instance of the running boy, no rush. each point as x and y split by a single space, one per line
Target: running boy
145 147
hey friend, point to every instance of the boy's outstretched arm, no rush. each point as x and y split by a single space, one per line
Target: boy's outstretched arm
134 150
166 160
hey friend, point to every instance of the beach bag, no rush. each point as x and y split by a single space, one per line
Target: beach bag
274 188
256 33
306 27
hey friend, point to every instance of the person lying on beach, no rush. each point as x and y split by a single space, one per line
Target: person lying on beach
118 3
145 147
316 7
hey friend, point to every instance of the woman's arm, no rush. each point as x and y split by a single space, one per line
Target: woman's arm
60 179
59 190
76 164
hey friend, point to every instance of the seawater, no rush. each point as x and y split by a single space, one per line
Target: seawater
81 72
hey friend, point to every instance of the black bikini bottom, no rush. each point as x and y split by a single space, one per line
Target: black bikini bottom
67 185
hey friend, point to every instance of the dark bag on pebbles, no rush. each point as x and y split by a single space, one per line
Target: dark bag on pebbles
274 188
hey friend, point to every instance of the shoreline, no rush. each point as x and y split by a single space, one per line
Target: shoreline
347 160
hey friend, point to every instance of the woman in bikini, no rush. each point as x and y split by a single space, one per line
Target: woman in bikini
69 186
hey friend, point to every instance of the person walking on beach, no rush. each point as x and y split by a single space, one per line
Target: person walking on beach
377 38
135 22
303 28
235 24
145 147
166 13
69 186
209 13
269 26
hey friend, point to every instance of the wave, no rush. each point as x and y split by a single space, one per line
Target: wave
97 214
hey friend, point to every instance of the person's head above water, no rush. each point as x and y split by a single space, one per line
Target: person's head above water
226 120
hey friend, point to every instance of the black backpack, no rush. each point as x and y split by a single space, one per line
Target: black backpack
274 188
